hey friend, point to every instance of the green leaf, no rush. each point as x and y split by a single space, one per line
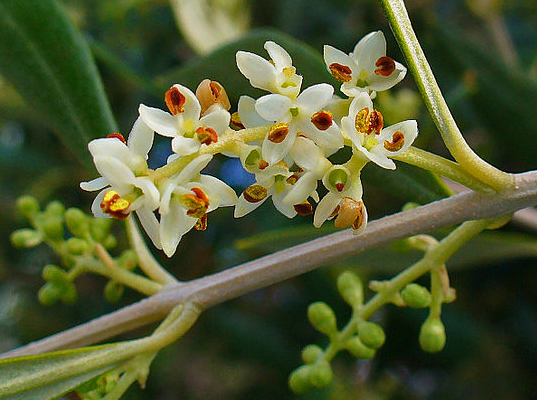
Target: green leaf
220 65
49 64
50 375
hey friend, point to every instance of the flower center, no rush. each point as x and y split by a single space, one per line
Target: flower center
114 205
196 204
206 135
322 120
369 122
175 100
341 72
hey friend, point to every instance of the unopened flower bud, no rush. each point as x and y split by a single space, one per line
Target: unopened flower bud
55 208
321 374
359 350
26 238
322 317
113 291
77 246
416 296
110 242
310 353
350 288
128 259
210 93
432 335
299 380
77 222
27 205
53 227
49 294
69 295
371 334
99 228
55 274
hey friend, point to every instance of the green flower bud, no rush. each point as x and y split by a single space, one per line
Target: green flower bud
350 288
321 374
416 296
371 334
77 222
26 238
77 246
55 208
110 242
299 380
69 295
359 350
49 294
100 228
432 335
403 246
322 317
128 259
113 291
53 228
27 205
310 353
54 274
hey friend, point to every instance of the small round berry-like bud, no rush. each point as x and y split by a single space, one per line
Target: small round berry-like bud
371 334
299 380
110 242
77 222
49 294
321 374
128 259
53 228
77 246
113 291
310 353
25 238
27 205
359 350
322 317
416 296
99 228
54 274
350 288
55 208
432 335
69 295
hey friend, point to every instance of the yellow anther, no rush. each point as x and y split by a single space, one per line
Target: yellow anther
254 193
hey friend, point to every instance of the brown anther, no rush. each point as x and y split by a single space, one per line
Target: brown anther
322 120
340 186
304 208
206 135
292 179
341 72
278 132
210 93
196 204
262 164
359 221
375 122
201 224
236 122
385 65
348 212
397 143
114 205
175 100
254 193
117 136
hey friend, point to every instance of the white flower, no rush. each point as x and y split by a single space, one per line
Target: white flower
186 199
184 124
367 68
122 166
278 76
364 126
305 115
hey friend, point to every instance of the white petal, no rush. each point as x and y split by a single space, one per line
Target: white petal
116 172
328 140
380 83
378 157
109 147
274 152
364 222
274 107
325 208
173 226
140 138
286 209
185 146
305 153
315 97
152 194
259 71
360 45
249 116
217 120
160 121
216 188
409 128
301 190
95 184
96 205
150 224
244 207
192 105
374 48
192 169
277 53
332 55
362 100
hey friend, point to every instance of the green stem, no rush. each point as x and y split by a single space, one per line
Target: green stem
441 166
423 75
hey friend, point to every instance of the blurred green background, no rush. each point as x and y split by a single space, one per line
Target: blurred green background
484 54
